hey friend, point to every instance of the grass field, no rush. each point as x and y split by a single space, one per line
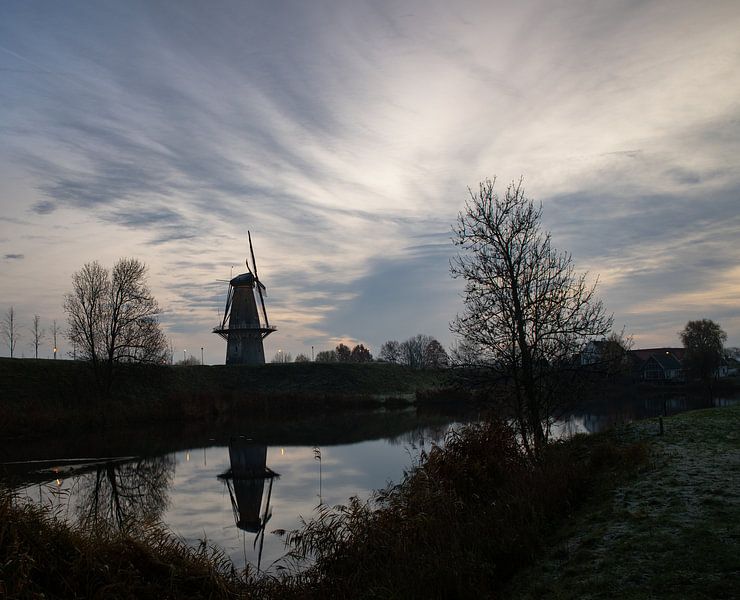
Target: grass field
670 531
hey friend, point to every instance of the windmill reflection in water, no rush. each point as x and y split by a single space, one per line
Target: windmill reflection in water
245 481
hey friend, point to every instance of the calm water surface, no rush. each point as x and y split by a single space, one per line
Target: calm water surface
184 490
184 486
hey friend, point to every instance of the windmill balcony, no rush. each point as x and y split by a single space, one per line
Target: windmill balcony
243 326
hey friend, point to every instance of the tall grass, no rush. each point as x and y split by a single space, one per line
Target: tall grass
42 557
459 525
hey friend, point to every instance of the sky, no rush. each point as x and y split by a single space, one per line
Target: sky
345 135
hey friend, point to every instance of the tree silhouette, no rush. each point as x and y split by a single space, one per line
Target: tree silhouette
704 342
360 354
526 308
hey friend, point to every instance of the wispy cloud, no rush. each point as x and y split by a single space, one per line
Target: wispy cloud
344 136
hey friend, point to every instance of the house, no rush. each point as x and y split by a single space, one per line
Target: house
659 364
593 352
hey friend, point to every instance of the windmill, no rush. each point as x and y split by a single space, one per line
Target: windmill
245 481
241 326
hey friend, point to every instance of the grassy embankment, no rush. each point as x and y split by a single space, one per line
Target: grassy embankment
669 531
38 396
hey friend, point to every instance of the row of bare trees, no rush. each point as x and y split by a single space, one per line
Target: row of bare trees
10 332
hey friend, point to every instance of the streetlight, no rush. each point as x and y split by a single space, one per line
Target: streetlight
201 356
184 352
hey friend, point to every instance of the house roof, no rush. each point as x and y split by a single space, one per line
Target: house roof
645 353
668 361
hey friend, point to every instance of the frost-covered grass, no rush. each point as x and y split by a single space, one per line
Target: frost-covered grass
670 531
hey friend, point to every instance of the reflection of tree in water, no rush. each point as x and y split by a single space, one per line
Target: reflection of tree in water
419 436
124 494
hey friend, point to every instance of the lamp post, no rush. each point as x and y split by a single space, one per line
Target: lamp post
201 356
184 352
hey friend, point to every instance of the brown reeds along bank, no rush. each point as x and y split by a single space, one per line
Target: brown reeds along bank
41 557
460 524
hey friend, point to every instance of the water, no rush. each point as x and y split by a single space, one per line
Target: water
186 489
176 476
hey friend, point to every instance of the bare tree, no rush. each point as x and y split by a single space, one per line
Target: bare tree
113 317
9 330
38 334
54 334
615 356
435 356
282 357
302 358
413 349
390 352
465 353
526 308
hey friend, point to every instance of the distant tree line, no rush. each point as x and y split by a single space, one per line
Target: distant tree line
281 357
343 354
418 352
188 361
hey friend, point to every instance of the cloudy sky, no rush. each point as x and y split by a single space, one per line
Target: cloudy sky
344 135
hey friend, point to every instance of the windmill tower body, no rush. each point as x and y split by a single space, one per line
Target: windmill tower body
241 326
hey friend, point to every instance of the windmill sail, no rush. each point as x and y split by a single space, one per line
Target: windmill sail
260 287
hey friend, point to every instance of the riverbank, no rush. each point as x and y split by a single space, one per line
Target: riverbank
38 397
669 531
627 513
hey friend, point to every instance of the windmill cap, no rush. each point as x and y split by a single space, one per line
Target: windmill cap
243 279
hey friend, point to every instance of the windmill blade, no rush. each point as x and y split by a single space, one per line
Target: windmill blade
260 287
251 251
262 301
228 305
